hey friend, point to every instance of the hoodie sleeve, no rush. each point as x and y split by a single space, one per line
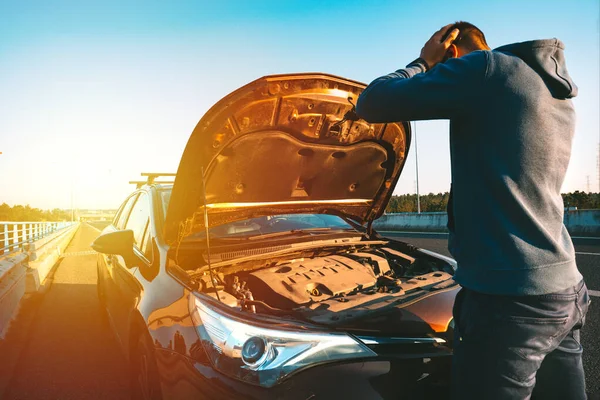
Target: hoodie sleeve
410 94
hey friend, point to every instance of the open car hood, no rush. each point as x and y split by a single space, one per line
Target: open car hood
279 145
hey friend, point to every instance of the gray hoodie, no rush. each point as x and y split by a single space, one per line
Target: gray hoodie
511 127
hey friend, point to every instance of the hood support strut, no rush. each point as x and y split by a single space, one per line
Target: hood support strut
212 278
370 227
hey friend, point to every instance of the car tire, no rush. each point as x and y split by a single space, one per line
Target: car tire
144 379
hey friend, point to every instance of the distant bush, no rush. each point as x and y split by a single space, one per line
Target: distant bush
408 203
438 202
27 213
582 200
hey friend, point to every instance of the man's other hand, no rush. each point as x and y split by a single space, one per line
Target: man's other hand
435 50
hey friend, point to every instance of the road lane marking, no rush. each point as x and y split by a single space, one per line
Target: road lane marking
93 227
594 293
80 253
419 233
446 234
587 254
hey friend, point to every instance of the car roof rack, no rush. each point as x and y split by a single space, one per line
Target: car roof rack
139 184
151 178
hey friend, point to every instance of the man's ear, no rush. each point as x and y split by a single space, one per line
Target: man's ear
452 51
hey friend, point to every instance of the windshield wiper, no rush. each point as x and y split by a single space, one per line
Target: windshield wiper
306 231
261 236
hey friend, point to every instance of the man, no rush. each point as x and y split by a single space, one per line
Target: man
523 300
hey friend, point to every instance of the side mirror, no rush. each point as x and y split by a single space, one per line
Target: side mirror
118 242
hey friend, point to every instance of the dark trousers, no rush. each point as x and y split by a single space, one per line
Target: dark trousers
519 347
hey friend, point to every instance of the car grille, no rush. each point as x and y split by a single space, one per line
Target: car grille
407 347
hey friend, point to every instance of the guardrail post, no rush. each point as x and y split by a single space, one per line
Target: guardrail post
11 235
15 236
5 237
22 236
15 243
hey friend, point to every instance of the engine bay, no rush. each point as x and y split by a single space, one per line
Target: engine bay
341 285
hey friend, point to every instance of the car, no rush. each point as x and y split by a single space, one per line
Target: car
257 274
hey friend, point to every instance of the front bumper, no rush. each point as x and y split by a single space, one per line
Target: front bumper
415 377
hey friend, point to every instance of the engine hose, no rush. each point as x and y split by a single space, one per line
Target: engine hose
277 311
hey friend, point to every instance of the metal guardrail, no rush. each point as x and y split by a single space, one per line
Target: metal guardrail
578 222
15 235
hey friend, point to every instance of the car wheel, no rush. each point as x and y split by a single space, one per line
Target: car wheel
144 373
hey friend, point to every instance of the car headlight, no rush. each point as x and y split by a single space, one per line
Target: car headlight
264 356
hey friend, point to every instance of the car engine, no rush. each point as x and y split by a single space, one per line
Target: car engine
349 283
302 282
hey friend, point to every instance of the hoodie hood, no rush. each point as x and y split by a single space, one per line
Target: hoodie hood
547 58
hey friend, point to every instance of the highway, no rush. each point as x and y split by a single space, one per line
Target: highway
63 349
66 350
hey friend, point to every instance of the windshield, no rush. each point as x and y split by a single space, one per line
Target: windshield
256 227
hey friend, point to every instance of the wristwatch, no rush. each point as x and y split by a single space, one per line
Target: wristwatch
422 62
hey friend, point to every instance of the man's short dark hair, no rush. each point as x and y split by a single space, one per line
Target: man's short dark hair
470 37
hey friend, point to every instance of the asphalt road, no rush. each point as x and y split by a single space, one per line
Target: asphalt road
66 351
587 252
99 224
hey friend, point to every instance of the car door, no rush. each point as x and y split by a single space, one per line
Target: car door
126 286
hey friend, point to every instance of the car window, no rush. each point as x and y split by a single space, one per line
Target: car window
165 196
118 214
146 246
122 218
138 219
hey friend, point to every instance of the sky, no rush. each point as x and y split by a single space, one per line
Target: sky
94 92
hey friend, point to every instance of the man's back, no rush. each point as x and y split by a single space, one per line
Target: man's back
511 124
510 153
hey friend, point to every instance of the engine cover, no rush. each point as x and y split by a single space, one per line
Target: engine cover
302 281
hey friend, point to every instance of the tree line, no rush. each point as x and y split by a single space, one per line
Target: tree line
28 213
438 202
403 203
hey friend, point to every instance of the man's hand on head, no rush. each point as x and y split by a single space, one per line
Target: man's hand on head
435 49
